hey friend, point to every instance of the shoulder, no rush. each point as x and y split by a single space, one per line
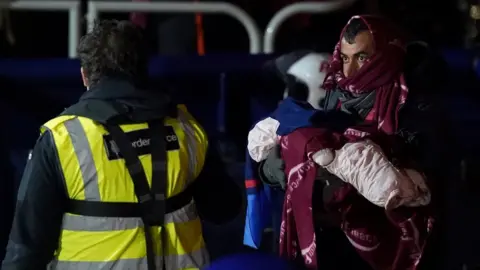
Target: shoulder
425 69
186 123
42 162
44 142
426 74
185 118
45 148
54 123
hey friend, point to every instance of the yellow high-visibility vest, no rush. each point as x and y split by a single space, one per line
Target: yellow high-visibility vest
91 174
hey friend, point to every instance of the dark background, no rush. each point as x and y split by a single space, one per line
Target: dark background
44 34
27 102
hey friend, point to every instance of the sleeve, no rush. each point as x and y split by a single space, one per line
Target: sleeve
7 196
38 217
430 148
272 170
425 137
196 133
218 198
425 69
426 134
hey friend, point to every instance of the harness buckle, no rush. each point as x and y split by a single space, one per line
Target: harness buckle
153 207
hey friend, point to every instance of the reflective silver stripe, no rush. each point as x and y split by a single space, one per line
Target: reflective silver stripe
85 159
191 143
196 259
99 224
139 264
182 215
95 224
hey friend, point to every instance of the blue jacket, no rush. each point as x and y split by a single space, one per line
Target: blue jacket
264 203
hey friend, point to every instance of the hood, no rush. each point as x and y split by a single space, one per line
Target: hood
116 99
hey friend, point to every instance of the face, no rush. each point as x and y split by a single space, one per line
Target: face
355 55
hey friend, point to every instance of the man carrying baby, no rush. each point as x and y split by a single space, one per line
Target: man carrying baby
376 80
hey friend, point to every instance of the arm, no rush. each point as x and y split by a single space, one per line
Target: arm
38 217
432 150
423 123
219 199
272 170
7 195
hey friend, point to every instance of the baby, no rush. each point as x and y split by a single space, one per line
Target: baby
360 162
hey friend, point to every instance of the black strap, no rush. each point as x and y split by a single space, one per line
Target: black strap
152 202
122 209
159 159
132 162
159 170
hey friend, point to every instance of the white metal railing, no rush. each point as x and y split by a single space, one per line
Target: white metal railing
73 8
94 7
293 9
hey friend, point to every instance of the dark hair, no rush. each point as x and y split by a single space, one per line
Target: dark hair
114 47
355 26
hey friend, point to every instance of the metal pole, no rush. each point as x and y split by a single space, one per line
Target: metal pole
42 5
293 9
94 7
73 31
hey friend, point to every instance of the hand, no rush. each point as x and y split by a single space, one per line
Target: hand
274 168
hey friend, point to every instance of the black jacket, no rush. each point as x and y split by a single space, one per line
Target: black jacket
38 218
423 138
7 197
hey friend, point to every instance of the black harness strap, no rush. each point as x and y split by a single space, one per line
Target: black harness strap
159 161
152 203
123 209
159 173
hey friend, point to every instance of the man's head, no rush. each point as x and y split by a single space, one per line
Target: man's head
357 46
370 57
113 48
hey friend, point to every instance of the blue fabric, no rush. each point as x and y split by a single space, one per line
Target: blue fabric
293 114
264 203
250 261
56 68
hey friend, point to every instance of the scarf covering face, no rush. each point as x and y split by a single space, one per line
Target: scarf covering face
383 73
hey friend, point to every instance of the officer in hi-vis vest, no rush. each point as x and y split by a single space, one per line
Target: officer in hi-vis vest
110 182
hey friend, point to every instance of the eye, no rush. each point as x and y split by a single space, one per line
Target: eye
362 58
344 59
